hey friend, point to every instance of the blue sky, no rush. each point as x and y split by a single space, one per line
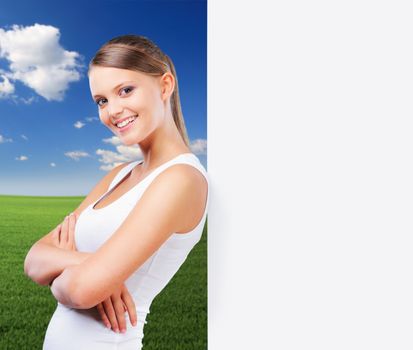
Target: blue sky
51 140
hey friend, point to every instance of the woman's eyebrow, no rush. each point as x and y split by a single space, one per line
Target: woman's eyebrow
116 87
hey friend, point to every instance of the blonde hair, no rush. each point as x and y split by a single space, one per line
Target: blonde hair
138 53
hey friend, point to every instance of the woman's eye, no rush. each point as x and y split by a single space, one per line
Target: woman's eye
127 89
98 102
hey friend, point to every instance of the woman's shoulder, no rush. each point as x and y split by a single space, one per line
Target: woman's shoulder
185 188
189 174
187 166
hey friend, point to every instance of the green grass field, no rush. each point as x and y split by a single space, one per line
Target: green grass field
178 317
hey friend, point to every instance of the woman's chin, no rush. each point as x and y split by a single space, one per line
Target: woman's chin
128 141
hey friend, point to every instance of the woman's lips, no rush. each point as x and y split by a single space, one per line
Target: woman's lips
127 126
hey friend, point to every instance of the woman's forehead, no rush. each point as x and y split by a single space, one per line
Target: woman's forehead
103 79
102 74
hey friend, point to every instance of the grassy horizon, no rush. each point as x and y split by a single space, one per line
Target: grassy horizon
178 317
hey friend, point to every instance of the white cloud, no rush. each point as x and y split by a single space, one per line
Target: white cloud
6 88
130 152
91 119
76 155
22 158
24 137
38 60
4 140
28 101
199 146
52 165
79 125
111 159
109 167
114 140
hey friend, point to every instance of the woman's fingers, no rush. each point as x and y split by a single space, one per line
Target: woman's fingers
130 306
103 316
56 234
64 231
120 312
110 312
71 232
67 233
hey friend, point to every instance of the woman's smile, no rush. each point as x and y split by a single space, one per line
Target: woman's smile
126 123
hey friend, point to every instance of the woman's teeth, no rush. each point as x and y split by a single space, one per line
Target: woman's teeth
126 122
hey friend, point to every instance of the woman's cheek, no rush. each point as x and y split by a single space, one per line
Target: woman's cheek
103 119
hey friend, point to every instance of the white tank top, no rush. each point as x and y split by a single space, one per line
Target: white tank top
83 329
95 226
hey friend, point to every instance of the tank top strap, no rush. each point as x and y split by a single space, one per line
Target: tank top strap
122 173
185 158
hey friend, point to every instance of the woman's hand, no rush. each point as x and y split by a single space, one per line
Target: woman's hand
112 310
64 233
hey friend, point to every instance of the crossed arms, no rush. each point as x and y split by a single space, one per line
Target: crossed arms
174 202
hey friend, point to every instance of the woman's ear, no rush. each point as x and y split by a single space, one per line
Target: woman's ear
167 85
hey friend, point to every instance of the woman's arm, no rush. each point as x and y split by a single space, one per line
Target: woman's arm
53 253
50 263
45 261
174 202
112 310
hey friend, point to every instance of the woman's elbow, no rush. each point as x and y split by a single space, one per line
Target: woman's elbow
88 291
26 266
82 296
27 263
30 269
36 277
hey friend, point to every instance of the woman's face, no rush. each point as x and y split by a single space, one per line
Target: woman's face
130 103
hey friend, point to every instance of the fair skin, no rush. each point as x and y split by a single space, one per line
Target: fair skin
85 280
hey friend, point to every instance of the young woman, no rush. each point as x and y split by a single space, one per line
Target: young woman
107 261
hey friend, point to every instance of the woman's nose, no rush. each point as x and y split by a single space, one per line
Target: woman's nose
114 108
